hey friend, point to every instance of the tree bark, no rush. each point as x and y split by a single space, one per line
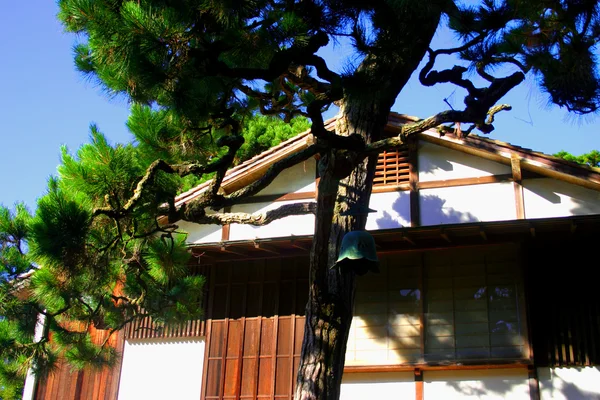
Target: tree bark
345 183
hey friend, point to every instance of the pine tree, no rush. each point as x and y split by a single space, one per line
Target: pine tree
205 68
591 159
139 267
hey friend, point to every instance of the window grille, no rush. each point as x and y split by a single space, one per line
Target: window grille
392 168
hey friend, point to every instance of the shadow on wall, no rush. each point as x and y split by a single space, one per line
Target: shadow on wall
431 164
577 200
433 212
556 387
401 207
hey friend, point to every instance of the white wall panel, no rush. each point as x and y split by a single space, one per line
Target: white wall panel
296 179
293 225
547 197
162 369
201 233
496 384
440 163
393 210
390 385
460 204
569 383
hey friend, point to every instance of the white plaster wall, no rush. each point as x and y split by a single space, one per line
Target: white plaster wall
296 179
29 387
569 383
546 197
460 204
440 163
201 233
494 384
294 225
393 210
389 385
162 369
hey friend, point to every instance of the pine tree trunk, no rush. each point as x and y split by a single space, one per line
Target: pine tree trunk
346 181
331 297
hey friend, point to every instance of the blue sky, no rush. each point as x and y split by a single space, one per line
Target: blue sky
45 103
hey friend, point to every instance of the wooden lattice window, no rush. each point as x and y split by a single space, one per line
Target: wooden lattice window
392 168
450 306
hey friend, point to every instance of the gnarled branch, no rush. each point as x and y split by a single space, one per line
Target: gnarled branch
198 215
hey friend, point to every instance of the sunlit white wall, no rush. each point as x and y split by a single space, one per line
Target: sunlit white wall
162 369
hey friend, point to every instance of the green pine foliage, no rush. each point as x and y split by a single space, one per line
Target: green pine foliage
591 159
18 312
263 132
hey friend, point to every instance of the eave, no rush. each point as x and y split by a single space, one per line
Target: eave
411 239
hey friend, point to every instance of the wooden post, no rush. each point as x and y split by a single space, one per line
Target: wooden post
226 228
413 179
418 384
534 383
515 163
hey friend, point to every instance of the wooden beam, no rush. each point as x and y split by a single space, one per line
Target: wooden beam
418 384
299 245
203 258
466 181
517 176
413 180
226 229
226 249
405 237
445 236
264 247
270 198
483 234
534 383
508 364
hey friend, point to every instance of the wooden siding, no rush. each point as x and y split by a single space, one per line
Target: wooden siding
148 329
255 328
86 384
564 305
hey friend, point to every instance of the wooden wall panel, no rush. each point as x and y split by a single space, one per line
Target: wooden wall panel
92 384
256 325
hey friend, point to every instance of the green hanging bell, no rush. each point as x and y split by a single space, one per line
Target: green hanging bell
358 253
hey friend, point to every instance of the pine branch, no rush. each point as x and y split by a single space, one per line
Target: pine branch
269 176
432 122
198 215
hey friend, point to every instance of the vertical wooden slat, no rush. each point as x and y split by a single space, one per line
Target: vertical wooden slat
78 385
422 320
413 179
418 384
534 384
517 175
275 333
209 302
226 333
293 330
243 336
226 228
261 277
120 347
